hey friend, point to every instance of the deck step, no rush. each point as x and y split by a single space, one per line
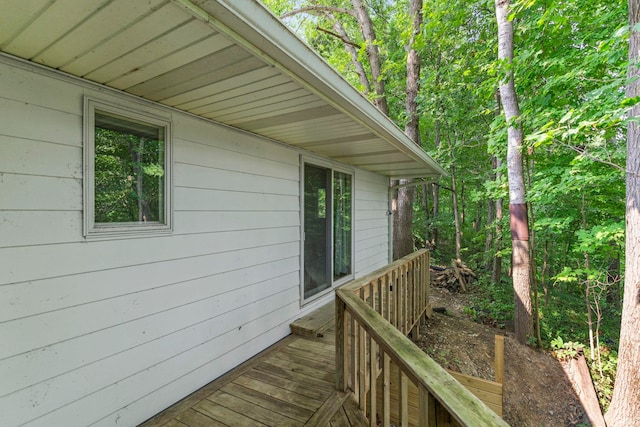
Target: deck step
314 323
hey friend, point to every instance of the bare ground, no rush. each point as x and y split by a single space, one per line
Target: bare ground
536 389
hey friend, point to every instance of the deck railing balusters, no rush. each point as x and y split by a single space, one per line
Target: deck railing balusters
373 316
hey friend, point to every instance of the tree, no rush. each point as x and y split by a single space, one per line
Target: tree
403 202
625 404
521 266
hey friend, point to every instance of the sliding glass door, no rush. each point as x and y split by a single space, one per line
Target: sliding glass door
341 225
316 229
327 228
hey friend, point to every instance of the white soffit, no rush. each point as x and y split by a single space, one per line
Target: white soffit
230 61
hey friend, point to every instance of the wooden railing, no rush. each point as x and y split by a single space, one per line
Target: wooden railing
373 316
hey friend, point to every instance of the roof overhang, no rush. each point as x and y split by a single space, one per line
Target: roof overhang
230 61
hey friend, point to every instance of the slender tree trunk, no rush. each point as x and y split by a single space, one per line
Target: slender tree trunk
534 267
460 190
437 140
427 213
496 273
456 214
496 163
545 258
625 404
613 280
488 243
435 192
587 283
521 266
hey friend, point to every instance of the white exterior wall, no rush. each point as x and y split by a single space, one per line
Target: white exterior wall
371 222
109 332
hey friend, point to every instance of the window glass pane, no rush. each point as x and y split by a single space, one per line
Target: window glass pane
129 171
341 225
317 240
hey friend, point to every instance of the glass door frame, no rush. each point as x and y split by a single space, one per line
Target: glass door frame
332 168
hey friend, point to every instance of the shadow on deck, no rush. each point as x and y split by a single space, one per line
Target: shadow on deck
291 383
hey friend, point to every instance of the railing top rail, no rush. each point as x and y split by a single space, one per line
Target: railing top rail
420 368
356 284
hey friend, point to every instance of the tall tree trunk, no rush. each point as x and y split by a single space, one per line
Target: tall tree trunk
456 213
403 220
373 54
403 215
353 52
521 260
625 404
412 128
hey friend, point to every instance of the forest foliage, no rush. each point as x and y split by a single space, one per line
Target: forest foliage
569 67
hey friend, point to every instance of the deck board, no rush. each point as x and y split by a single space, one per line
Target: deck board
271 403
295 377
289 384
278 393
221 414
193 418
253 411
314 389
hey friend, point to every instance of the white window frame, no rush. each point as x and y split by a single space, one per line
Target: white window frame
126 110
333 167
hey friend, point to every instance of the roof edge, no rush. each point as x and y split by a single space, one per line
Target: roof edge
251 24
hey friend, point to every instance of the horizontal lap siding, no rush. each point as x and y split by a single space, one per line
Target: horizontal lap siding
371 222
112 331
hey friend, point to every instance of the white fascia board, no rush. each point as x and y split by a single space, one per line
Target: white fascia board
249 23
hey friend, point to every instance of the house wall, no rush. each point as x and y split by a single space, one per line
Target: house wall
109 332
371 222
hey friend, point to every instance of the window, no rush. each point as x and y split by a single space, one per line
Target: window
127 159
327 228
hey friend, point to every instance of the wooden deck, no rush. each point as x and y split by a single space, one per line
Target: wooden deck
290 384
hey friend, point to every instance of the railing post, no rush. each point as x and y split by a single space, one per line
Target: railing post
341 343
499 359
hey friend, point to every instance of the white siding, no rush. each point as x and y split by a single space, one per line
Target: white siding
371 222
113 331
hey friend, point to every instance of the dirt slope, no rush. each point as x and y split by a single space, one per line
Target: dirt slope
537 392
